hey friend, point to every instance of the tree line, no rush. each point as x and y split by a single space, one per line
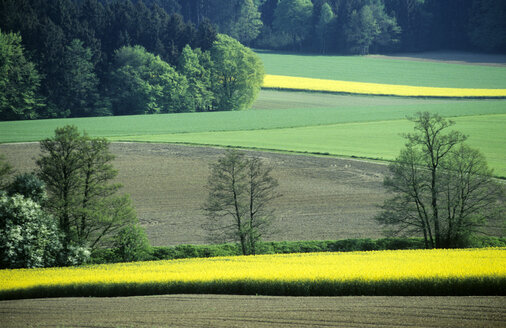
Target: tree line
354 26
89 58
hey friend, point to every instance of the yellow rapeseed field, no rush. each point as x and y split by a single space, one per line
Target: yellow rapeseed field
310 84
364 267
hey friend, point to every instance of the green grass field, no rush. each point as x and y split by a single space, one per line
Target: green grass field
272 110
375 139
361 126
383 70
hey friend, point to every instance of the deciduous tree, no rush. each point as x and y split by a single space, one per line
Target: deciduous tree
322 28
19 81
29 186
198 96
237 74
78 173
240 192
293 17
442 188
60 168
142 83
246 24
131 244
361 30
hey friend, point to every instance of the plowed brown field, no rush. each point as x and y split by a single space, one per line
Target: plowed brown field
255 311
323 197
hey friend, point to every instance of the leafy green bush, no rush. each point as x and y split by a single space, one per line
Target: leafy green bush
488 241
287 247
192 251
29 237
103 255
29 186
131 244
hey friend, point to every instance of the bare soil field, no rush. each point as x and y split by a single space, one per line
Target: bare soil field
453 57
255 311
323 197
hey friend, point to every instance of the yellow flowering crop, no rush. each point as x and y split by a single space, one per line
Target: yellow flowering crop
278 271
310 84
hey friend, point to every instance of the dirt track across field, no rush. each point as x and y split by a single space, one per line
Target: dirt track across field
255 311
323 197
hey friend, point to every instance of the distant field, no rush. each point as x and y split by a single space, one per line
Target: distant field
385 70
283 82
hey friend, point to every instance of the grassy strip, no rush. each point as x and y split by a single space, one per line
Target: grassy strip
312 84
384 71
405 272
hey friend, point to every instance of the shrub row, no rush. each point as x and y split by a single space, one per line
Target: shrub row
285 247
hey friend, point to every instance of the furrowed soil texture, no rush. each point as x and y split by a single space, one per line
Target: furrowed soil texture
323 197
255 311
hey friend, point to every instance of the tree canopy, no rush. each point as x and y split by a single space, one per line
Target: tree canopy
19 80
78 174
293 18
443 189
142 83
236 74
122 57
73 45
240 192
403 25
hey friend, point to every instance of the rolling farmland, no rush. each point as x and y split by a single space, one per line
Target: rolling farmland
359 126
325 126
328 197
319 192
324 198
373 140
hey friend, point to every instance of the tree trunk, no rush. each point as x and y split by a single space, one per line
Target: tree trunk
435 214
238 216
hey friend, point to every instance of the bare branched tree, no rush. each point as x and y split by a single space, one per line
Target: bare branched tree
442 188
240 192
